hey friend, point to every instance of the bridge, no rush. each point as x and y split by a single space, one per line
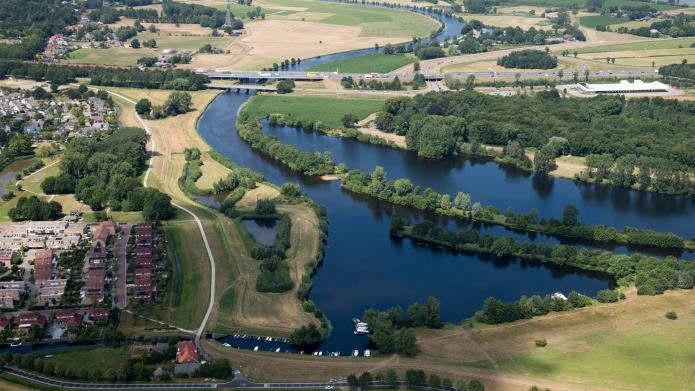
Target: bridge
240 87
262 75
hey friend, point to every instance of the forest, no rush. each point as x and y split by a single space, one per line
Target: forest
105 173
101 76
659 132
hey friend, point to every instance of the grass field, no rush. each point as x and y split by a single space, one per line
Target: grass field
601 20
643 58
524 21
183 42
328 110
374 21
376 62
110 56
645 45
89 359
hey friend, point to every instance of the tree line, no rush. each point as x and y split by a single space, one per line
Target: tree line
106 76
651 275
528 59
105 173
412 378
403 192
478 37
308 163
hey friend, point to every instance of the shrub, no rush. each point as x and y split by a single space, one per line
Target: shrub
265 207
671 315
541 343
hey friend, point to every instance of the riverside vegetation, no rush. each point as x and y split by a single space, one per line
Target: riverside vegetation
403 192
651 275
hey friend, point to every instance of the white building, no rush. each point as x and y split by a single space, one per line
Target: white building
624 87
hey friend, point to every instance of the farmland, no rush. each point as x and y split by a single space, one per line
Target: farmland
376 62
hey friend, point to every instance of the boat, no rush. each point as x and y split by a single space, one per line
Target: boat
255 349
277 350
361 331
227 345
320 353
356 353
15 344
367 353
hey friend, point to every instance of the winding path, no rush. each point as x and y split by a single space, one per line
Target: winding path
153 148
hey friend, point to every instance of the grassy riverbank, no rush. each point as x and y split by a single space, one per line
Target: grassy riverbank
375 62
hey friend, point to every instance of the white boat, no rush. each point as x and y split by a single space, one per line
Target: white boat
15 344
356 353
367 353
227 345
361 331
277 350
320 353
255 349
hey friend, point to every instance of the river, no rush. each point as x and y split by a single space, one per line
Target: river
364 267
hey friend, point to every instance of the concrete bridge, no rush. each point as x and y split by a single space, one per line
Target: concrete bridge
240 87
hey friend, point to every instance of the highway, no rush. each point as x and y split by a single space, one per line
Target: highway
317 76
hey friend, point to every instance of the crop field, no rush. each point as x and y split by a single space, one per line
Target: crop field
601 20
524 21
376 62
582 3
328 110
183 42
643 58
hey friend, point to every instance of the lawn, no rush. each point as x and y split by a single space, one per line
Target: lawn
328 110
601 20
184 42
375 21
376 62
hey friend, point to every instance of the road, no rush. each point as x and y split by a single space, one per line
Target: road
121 250
208 250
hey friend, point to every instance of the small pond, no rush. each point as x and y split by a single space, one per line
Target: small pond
263 230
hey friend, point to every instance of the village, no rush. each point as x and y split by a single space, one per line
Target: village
59 277
56 117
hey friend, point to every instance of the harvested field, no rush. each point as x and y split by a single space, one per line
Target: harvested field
642 58
510 20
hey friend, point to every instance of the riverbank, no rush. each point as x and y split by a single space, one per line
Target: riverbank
238 307
585 350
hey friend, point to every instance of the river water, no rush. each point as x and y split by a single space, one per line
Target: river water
364 267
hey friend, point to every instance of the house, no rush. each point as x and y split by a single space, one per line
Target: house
43 265
11 292
67 318
28 320
145 230
4 324
98 315
143 288
101 235
51 291
6 257
186 352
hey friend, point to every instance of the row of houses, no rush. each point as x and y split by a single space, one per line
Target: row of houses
144 287
95 274
40 234
21 324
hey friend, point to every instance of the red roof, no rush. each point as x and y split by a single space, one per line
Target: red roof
186 352
43 265
30 318
4 322
99 314
69 317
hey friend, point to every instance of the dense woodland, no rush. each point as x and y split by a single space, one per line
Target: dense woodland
528 59
105 173
659 132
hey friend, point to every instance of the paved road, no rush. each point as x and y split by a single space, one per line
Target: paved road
121 253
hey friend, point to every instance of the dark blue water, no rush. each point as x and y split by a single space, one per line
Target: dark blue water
365 268
263 231
500 185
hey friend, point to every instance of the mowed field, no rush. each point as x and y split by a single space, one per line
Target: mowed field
524 21
601 20
376 62
629 345
328 110
676 43
109 56
582 3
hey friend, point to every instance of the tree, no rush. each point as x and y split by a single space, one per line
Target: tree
475 385
285 86
143 107
391 377
569 215
178 102
349 120
135 43
406 342
352 381
364 380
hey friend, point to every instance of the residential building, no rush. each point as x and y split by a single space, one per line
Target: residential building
25 321
43 266
11 293
67 318
51 292
6 257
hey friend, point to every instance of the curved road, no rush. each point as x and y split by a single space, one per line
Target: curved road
211 258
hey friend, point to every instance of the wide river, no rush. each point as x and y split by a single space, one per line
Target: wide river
364 267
